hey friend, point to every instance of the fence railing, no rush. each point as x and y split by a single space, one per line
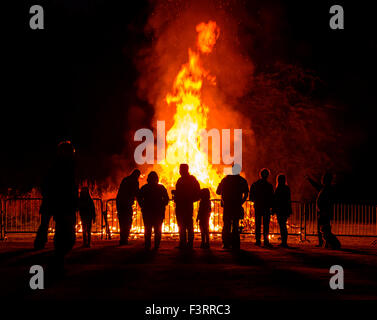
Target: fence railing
295 222
21 215
2 215
347 220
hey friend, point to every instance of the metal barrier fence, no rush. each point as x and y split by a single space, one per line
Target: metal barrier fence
2 214
21 215
358 220
295 221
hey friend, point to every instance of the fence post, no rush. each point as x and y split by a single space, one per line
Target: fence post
301 229
105 216
305 207
101 219
1 220
5 218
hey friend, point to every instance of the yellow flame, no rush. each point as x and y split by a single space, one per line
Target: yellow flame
183 138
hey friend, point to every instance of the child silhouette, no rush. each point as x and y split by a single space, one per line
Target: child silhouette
204 214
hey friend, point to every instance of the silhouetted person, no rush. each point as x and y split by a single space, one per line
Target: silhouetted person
262 194
187 191
60 200
48 198
153 198
318 186
325 204
204 214
63 199
87 214
282 207
234 191
127 193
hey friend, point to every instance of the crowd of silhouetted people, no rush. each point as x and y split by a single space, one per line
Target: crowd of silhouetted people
61 200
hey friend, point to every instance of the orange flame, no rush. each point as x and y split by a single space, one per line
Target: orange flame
183 138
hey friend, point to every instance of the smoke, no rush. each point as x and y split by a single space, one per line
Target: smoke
295 133
173 30
286 127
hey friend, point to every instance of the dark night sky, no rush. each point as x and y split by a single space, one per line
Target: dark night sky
76 80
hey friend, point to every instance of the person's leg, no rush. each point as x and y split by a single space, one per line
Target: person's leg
325 230
181 230
122 228
226 232
258 226
89 234
335 243
128 223
147 234
320 238
330 239
65 235
207 245
235 234
42 233
64 240
206 234
84 233
283 230
266 227
323 222
190 232
58 263
183 235
157 234
202 233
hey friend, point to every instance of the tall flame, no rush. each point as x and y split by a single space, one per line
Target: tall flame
183 138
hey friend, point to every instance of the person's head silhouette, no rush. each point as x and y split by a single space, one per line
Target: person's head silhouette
236 169
205 194
184 169
327 179
135 174
152 177
264 173
281 180
65 150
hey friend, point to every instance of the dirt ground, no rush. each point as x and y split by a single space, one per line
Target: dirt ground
109 271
